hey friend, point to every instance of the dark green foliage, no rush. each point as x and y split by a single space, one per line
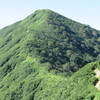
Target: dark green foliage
41 58
65 41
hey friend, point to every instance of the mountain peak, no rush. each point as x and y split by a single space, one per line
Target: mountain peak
45 51
43 10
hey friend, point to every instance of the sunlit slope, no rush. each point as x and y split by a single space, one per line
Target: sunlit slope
13 43
31 81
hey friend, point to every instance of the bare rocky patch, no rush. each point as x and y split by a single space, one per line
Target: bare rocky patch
97 76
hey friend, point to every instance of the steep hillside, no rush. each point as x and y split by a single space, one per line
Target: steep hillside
66 44
41 58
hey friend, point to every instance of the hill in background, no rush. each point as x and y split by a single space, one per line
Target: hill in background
41 57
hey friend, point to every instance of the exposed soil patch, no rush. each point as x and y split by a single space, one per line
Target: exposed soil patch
97 76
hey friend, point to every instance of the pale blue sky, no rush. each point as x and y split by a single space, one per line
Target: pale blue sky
83 11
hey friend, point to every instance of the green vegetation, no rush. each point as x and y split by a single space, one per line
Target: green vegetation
46 56
65 44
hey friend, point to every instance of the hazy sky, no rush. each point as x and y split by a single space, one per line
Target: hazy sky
83 11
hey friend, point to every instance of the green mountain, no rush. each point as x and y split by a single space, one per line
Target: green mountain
47 56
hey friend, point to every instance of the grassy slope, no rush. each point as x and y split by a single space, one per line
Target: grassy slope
30 81
23 78
13 41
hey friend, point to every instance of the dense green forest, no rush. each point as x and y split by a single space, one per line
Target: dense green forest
47 56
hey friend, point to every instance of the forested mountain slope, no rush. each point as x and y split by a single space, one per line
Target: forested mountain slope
41 58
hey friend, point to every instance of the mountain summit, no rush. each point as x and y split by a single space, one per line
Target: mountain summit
46 56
